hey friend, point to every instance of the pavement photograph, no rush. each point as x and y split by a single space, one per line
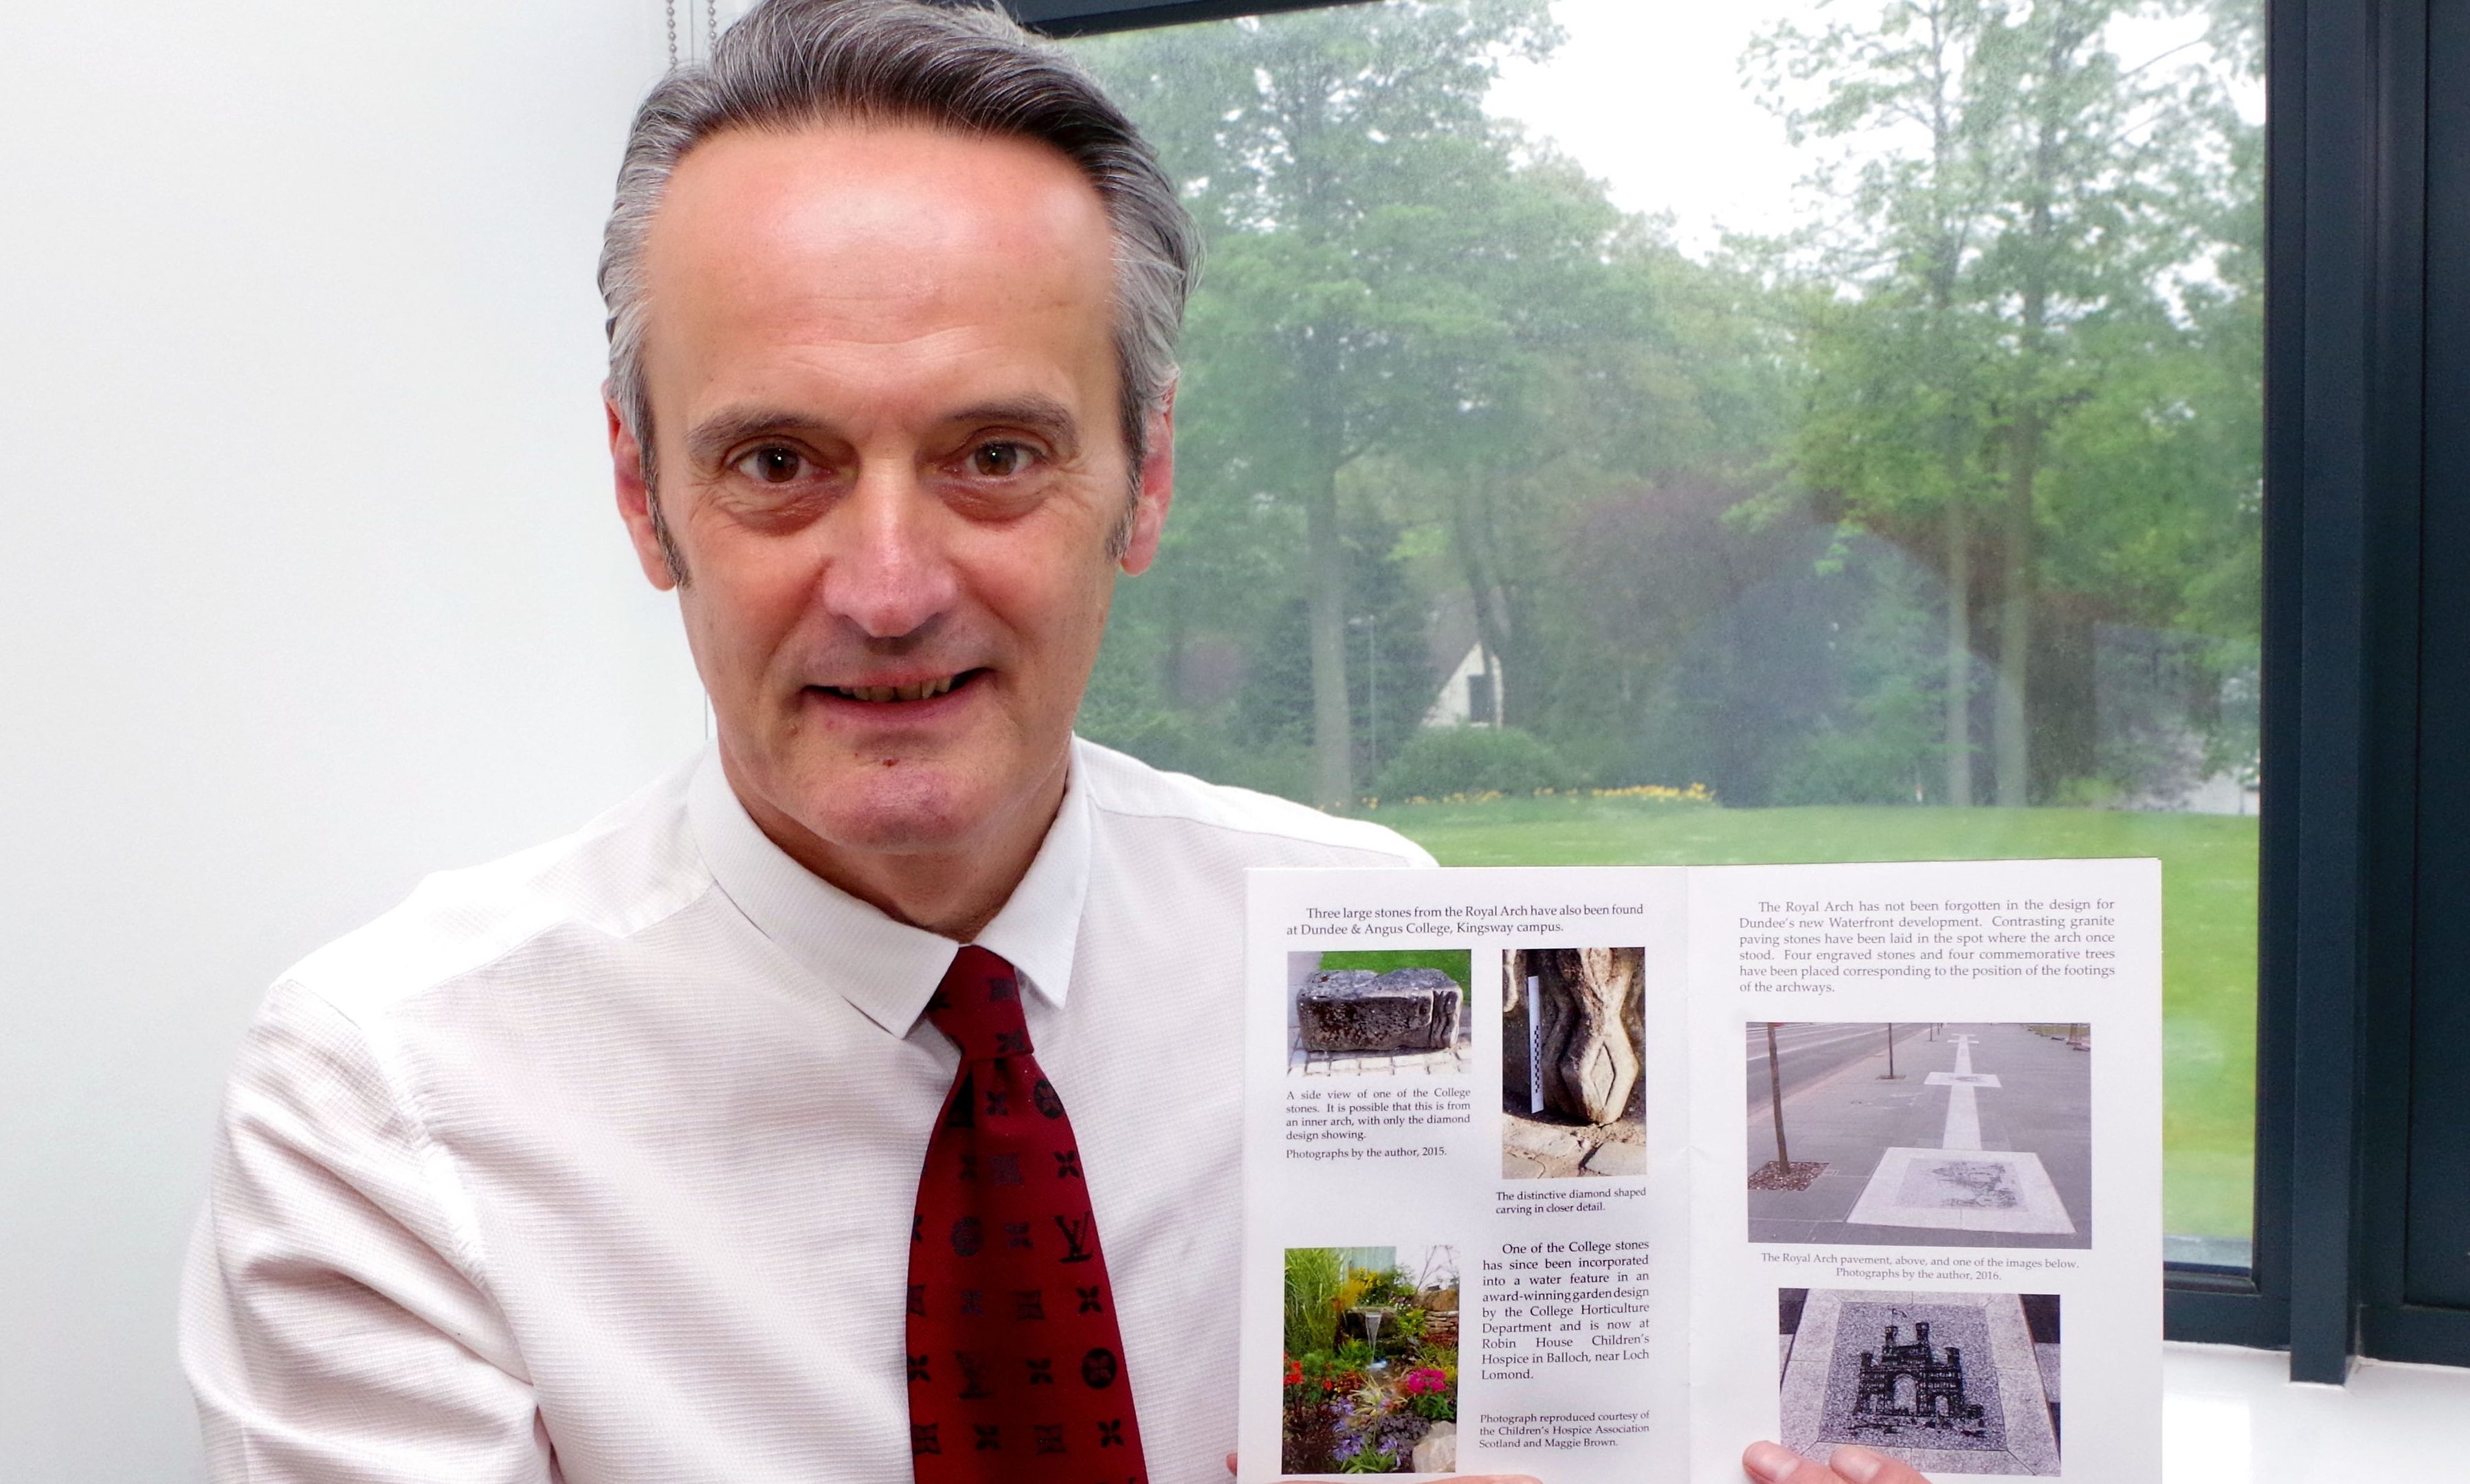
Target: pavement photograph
1920 1133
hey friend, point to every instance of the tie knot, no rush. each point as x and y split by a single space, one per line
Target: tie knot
978 1005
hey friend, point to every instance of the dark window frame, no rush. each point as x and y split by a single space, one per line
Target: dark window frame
2363 1125
1093 17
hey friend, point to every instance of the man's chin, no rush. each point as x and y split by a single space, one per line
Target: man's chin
830 808
896 808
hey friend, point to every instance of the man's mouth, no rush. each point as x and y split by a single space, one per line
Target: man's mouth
922 690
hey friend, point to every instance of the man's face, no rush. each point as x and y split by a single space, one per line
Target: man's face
883 386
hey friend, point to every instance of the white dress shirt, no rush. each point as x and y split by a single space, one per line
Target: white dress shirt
597 1162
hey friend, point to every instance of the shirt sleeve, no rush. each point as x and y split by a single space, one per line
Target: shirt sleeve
334 1325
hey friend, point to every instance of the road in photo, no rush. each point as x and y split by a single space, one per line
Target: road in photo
1980 1137
1810 1051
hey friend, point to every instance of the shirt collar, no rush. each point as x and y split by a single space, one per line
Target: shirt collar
887 970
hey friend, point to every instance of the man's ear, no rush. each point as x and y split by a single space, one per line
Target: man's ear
1156 489
635 498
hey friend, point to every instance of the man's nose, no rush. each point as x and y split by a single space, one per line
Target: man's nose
889 575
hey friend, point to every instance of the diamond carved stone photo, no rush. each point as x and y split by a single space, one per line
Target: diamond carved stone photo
1573 1063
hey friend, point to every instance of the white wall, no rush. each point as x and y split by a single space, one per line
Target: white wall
309 578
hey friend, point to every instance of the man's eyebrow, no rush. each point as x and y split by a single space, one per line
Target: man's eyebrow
707 440
716 435
1038 415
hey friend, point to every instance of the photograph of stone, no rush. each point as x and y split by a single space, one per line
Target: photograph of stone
1950 1383
1920 1133
1573 1039
1371 1343
1377 1013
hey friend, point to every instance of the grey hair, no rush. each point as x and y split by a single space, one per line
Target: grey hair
789 64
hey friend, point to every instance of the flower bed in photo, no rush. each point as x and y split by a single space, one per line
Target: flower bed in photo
1371 1360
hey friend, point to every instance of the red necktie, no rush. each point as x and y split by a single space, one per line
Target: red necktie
1016 1365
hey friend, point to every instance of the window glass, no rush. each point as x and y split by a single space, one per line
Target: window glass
1768 432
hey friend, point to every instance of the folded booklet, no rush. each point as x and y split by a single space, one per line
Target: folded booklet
1602 1173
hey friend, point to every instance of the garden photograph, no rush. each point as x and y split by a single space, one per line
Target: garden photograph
1371 1360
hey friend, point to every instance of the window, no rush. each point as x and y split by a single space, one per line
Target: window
1869 466
1452 398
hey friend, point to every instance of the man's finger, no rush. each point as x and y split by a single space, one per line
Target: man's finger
1860 1466
1772 1463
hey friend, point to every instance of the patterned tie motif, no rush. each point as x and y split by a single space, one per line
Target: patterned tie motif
1016 1365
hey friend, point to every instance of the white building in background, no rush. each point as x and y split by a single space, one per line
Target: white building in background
1470 695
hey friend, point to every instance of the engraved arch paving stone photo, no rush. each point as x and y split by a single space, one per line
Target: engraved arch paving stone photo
1952 1383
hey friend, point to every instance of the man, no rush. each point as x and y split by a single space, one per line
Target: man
636 1156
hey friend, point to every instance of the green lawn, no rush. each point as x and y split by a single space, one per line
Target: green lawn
1453 961
2208 922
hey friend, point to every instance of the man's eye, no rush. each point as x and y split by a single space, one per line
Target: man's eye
772 464
999 460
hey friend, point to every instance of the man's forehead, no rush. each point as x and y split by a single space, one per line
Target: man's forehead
893 214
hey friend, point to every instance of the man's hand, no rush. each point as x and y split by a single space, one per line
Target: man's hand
1470 1478
1770 1463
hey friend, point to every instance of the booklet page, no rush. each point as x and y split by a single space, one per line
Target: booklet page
1927 1198
1599 1174
1458 1256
